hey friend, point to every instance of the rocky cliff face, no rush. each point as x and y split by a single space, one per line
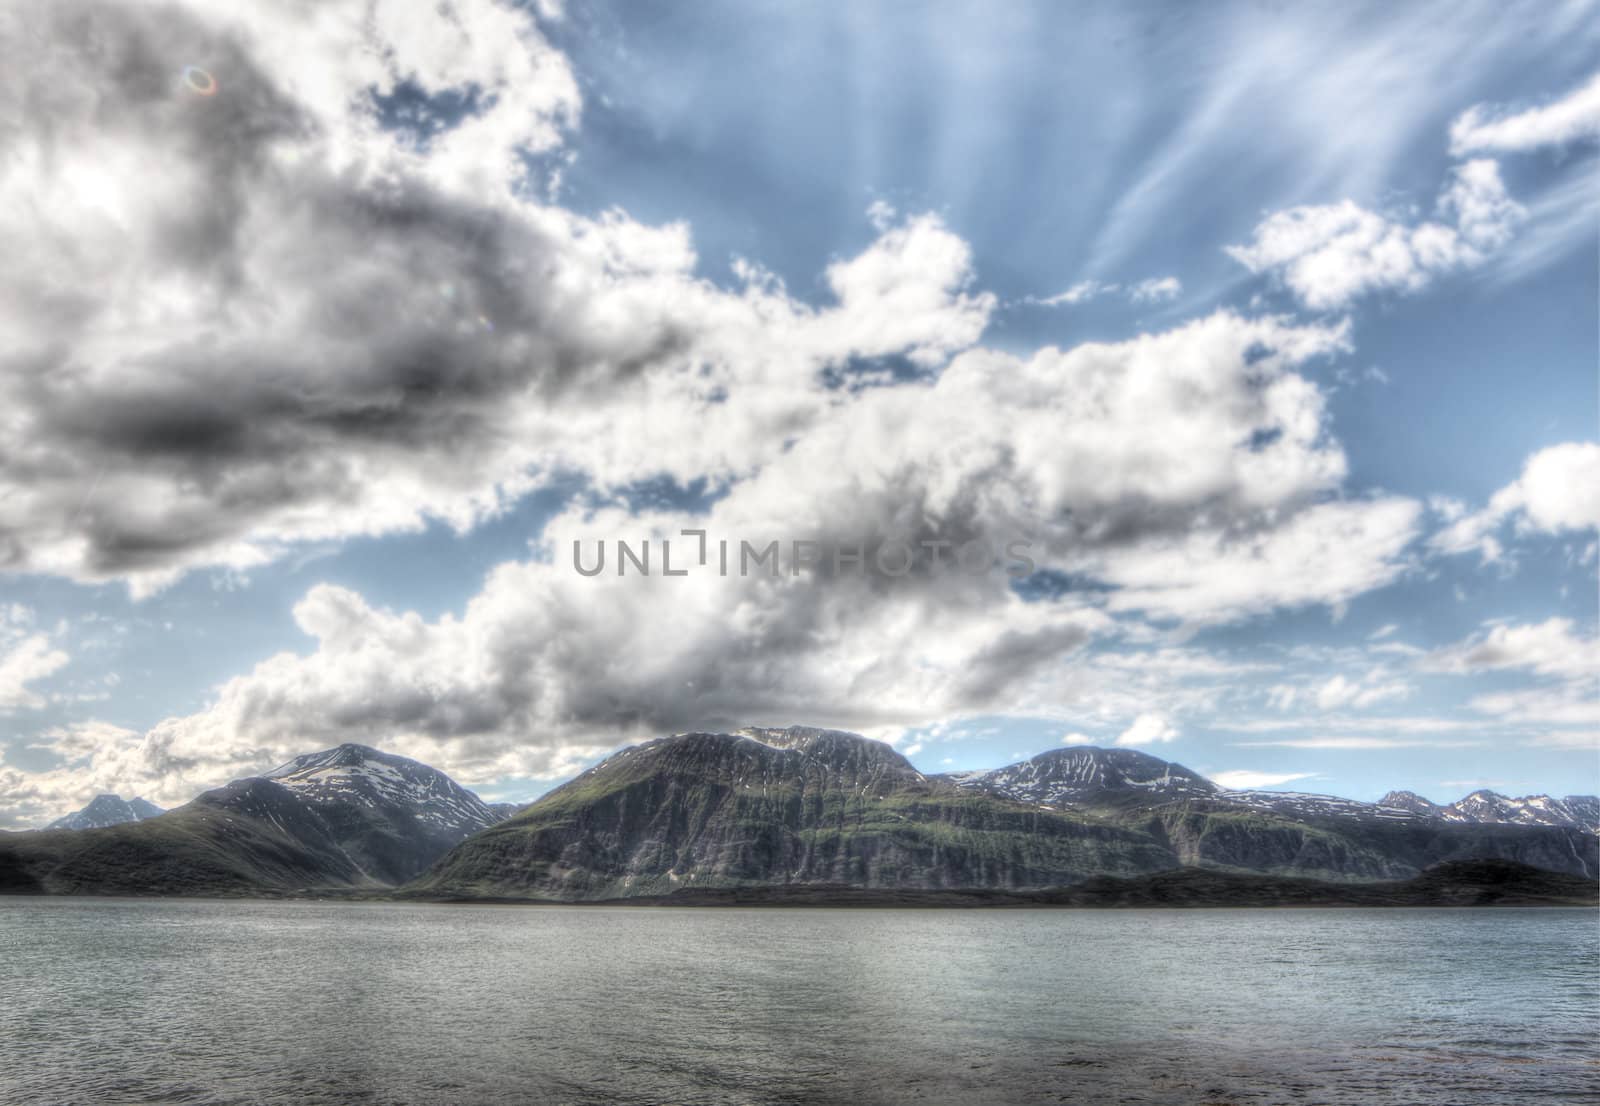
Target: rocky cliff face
784 807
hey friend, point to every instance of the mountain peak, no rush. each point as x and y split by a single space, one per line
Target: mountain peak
107 810
1409 801
800 737
1088 773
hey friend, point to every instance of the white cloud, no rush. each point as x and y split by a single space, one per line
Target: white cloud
1339 692
21 663
1244 779
1186 470
1326 554
1148 729
1358 743
1549 648
304 325
1156 290
1077 739
1569 739
1082 292
1558 492
1151 290
1570 704
1573 118
1332 254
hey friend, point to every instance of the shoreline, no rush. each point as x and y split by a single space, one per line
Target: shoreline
1454 885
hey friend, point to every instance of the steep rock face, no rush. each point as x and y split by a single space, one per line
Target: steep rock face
393 816
106 810
778 807
1346 847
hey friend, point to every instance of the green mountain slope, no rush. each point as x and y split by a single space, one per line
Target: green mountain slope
250 837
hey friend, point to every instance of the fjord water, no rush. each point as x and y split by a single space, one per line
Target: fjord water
221 1002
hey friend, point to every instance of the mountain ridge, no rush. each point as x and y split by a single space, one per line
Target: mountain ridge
806 807
350 817
786 811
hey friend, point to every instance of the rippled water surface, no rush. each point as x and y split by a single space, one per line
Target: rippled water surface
148 1001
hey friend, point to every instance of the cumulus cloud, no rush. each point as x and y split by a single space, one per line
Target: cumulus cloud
1330 255
1553 647
1558 492
1563 662
1097 456
1574 117
314 323
24 660
1325 554
306 324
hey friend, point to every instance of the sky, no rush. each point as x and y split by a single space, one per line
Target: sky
1218 381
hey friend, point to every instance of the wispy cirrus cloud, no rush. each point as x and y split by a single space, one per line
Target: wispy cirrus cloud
1358 742
1148 291
1574 117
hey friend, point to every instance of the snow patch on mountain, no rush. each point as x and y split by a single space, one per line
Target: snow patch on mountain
361 775
107 810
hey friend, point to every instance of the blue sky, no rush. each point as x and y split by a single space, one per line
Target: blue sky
1274 327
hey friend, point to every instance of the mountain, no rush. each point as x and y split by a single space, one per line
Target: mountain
106 810
1285 833
1088 774
393 816
1530 810
1410 802
249 837
1091 777
802 808
802 814
765 807
347 818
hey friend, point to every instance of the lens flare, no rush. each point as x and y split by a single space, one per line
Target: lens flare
198 81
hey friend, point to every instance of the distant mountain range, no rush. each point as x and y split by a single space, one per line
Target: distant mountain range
801 813
1091 776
